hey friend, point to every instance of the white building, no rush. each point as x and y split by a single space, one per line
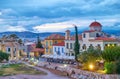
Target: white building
59 49
93 37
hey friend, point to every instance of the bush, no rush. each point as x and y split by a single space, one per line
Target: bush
3 56
118 67
111 54
110 68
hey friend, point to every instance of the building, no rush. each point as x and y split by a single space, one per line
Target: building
11 47
94 37
59 49
50 40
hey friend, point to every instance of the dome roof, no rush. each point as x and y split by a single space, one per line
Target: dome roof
95 24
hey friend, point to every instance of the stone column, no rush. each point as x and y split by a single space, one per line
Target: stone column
11 53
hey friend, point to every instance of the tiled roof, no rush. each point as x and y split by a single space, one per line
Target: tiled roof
73 37
88 31
38 50
95 24
60 44
55 37
105 38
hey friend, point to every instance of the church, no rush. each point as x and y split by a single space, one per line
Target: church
94 37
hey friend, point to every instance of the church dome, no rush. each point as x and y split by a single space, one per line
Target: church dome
95 24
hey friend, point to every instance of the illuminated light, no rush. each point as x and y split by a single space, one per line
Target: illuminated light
65 65
91 67
32 58
108 45
113 45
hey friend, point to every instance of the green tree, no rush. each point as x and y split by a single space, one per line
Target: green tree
13 36
20 41
3 56
39 44
77 45
111 54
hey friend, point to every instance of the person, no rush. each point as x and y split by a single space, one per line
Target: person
73 72
55 67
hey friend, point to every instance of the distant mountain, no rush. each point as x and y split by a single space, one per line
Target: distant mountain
31 35
27 34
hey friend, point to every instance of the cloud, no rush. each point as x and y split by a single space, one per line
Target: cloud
52 27
16 28
59 15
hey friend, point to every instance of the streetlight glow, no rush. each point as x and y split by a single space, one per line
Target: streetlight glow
91 67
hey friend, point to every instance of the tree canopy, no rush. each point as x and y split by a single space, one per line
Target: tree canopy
39 44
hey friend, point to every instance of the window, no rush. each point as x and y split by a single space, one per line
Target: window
72 54
98 46
70 45
55 42
55 49
58 51
84 46
8 49
67 45
50 50
46 50
97 35
84 35
50 43
62 50
91 47
46 43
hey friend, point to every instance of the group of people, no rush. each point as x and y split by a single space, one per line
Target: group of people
60 61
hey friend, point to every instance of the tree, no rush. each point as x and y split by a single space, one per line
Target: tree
20 41
13 36
39 44
76 48
111 54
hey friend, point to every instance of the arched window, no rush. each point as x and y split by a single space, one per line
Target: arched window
84 46
97 35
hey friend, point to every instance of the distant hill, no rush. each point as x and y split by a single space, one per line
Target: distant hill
27 34
31 35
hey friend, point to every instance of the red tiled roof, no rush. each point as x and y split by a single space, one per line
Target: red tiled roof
95 24
89 31
73 37
60 44
38 50
55 37
105 39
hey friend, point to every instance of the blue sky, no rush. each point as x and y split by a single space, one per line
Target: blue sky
57 15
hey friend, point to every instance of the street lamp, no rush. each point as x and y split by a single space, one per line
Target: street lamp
91 66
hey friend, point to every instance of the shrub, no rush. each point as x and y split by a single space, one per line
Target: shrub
118 67
3 56
111 54
110 67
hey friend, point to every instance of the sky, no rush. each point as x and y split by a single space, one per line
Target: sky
57 15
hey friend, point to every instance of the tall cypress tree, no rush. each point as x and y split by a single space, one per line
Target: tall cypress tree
39 44
76 48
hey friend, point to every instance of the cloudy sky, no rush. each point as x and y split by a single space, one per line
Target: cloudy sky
57 15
